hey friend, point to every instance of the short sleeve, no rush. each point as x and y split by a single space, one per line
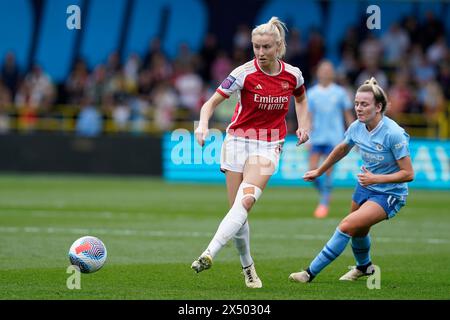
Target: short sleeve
399 142
299 91
300 88
232 83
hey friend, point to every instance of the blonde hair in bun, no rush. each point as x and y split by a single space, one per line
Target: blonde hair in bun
371 85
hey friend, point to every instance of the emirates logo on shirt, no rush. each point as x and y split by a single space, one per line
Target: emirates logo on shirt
270 102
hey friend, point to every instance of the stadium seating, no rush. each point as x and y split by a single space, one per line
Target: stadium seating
342 15
18 39
56 45
391 11
104 21
304 17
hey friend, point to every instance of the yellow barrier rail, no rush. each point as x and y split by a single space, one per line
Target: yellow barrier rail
63 118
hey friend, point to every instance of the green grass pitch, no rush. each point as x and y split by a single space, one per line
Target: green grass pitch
153 230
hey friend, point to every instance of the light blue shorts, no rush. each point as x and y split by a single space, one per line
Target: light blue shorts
391 204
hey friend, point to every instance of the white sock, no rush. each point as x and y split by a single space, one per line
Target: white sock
234 219
242 243
230 224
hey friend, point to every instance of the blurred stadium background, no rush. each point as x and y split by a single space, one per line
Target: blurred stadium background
106 99
138 69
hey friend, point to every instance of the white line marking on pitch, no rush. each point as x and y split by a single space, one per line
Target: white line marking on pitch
184 234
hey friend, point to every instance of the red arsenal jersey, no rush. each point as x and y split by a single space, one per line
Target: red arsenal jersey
263 100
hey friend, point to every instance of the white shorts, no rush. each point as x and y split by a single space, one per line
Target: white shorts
236 151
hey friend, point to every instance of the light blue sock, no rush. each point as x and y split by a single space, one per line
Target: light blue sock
325 190
361 250
318 184
334 247
325 198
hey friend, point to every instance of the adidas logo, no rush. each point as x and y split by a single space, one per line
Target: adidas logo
259 87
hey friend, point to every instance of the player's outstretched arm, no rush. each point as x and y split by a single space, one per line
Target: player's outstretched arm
303 119
339 152
206 112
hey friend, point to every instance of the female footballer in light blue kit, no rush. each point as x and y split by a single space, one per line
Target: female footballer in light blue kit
329 106
381 190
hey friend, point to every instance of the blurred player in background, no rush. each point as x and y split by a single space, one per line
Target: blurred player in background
254 140
329 105
381 190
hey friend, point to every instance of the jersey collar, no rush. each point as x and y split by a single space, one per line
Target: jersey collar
377 128
270 75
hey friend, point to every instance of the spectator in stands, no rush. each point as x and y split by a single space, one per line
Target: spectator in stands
89 122
160 68
220 68
411 26
42 91
165 100
400 95
315 51
145 85
437 51
431 30
296 55
350 43
154 48
370 49
295 43
113 65
423 71
346 84
348 66
186 58
444 78
208 54
5 96
27 107
239 57
95 85
131 73
5 104
10 73
189 86
241 38
76 83
395 44
372 69
116 87
121 112
139 111
432 99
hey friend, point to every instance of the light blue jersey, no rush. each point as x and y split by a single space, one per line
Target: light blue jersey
327 105
379 149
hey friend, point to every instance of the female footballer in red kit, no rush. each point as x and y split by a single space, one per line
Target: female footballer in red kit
253 143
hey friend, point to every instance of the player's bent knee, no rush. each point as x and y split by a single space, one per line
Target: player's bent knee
248 203
347 227
247 195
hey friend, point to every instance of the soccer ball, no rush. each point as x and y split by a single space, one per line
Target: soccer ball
88 253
